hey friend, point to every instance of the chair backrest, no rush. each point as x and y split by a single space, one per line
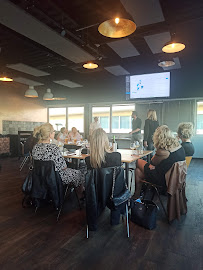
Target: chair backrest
47 182
188 160
98 189
22 148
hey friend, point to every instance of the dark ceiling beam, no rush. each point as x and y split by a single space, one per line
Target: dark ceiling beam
37 8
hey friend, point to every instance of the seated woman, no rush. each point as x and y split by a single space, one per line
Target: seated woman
168 151
46 151
185 131
100 155
62 135
74 135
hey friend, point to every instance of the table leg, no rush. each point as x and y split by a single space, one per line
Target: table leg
126 172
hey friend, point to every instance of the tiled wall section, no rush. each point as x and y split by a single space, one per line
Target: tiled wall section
12 127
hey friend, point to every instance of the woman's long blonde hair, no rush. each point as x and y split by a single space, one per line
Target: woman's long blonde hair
164 139
99 145
42 132
185 130
151 114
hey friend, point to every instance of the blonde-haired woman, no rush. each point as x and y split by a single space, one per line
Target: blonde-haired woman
62 135
46 151
168 151
150 126
74 135
100 155
185 131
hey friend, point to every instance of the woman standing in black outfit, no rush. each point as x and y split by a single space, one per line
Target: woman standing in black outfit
151 124
100 155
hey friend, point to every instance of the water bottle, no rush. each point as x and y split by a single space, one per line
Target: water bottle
114 144
141 146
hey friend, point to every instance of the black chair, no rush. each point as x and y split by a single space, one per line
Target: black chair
26 156
174 190
47 186
98 190
154 189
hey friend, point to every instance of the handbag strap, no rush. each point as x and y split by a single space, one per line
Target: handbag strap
31 164
114 182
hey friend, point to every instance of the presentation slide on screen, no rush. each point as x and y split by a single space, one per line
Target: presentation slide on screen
150 85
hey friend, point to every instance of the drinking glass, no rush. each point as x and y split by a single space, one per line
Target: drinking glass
132 147
137 145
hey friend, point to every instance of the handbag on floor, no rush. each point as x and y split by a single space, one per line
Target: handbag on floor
144 213
122 197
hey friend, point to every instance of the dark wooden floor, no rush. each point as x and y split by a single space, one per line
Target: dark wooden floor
29 241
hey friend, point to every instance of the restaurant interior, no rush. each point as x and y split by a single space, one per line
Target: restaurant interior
67 62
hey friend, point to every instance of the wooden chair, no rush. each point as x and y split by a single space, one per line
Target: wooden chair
188 160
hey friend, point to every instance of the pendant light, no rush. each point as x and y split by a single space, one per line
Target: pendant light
48 95
6 79
166 63
173 47
31 92
117 28
90 65
58 98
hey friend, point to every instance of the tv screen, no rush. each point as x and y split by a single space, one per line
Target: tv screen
148 85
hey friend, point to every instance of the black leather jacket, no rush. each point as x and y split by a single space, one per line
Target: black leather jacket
98 189
46 183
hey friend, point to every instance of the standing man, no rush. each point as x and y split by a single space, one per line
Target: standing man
94 125
136 127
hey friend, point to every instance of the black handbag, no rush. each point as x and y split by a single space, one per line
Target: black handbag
123 197
27 185
144 213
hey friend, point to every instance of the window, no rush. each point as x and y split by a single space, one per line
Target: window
199 117
115 122
76 118
121 118
103 113
57 117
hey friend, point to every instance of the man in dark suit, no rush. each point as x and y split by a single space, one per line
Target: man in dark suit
136 127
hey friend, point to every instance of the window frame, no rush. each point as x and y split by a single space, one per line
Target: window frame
111 106
195 128
66 107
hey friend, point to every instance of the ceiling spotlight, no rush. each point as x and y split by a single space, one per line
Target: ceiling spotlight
6 79
48 95
117 28
166 63
173 47
63 33
90 65
31 92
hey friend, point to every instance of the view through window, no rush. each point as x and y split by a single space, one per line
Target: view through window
199 117
57 117
103 113
76 118
121 118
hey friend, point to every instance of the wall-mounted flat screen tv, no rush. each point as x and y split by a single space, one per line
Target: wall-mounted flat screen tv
153 85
